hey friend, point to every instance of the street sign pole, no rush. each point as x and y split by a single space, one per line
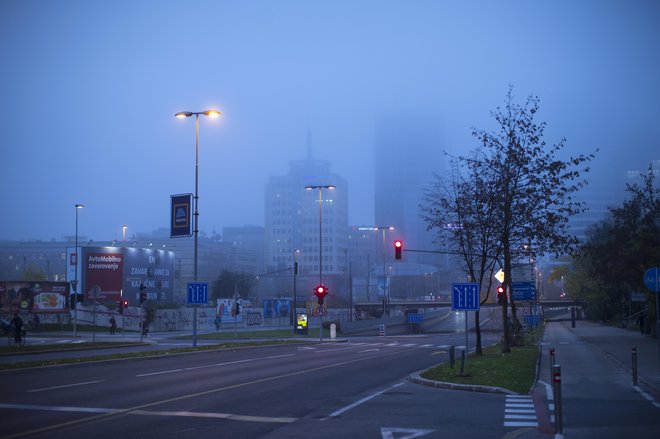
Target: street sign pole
652 282
465 297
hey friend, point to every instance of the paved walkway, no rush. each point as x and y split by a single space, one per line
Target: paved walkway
598 396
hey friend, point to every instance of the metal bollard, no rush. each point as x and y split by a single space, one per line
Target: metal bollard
452 357
552 361
634 365
556 384
462 363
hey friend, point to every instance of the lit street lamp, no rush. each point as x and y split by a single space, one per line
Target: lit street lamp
75 282
320 188
182 115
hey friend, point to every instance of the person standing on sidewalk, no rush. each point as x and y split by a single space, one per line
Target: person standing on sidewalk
640 321
113 324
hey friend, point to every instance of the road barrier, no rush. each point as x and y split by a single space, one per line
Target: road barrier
381 330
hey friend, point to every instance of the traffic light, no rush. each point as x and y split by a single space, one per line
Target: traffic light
238 308
143 293
125 303
72 301
501 298
398 246
120 307
320 291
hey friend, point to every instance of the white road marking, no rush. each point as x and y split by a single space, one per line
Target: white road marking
519 411
521 424
64 386
280 356
368 350
195 368
647 396
388 432
229 416
361 401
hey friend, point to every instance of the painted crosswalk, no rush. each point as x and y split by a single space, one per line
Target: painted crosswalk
519 411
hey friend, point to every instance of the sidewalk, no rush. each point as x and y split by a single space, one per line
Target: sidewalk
598 398
616 344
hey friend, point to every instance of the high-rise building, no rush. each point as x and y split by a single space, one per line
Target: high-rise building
292 220
408 154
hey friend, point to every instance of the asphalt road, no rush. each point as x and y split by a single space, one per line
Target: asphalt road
319 390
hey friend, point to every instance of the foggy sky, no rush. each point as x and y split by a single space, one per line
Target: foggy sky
90 88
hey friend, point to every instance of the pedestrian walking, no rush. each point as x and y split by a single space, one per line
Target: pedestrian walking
113 324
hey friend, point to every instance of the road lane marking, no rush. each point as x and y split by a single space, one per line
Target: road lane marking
52 408
361 401
368 350
128 411
521 424
280 356
648 397
206 366
64 386
519 411
388 432
438 352
230 416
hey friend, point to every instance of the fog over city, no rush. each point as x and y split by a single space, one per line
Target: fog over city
89 92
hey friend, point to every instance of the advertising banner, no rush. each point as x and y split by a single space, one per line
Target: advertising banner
38 297
103 273
152 268
180 224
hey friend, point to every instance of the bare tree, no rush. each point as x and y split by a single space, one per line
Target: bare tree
535 189
461 210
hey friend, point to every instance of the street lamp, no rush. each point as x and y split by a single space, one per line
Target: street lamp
320 188
213 114
75 282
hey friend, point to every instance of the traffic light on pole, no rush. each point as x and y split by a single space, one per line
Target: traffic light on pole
120 307
320 291
143 293
398 246
125 303
501 298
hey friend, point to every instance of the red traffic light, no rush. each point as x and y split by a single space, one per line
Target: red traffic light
500 295
398 247
125 303
320 291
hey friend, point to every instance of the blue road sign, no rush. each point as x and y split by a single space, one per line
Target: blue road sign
523 291
415 317
652 279
180 224
465 297
198 293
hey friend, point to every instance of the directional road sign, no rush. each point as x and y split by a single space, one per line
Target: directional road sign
465 297
523 291
198 293
415 317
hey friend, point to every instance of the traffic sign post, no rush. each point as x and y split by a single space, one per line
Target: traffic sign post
198 294
465 297
652 282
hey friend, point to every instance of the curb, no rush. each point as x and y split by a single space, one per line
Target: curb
417 379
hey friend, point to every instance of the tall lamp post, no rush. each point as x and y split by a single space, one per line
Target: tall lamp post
75 282
213 114
320 188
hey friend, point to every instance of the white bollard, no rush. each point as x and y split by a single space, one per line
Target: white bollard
333 331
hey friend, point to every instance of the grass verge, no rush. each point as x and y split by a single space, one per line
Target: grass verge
151 353
515 371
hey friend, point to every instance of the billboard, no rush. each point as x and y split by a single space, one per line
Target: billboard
38 297
152 268
103 273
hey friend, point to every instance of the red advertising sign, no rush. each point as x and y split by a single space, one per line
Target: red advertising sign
103 275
